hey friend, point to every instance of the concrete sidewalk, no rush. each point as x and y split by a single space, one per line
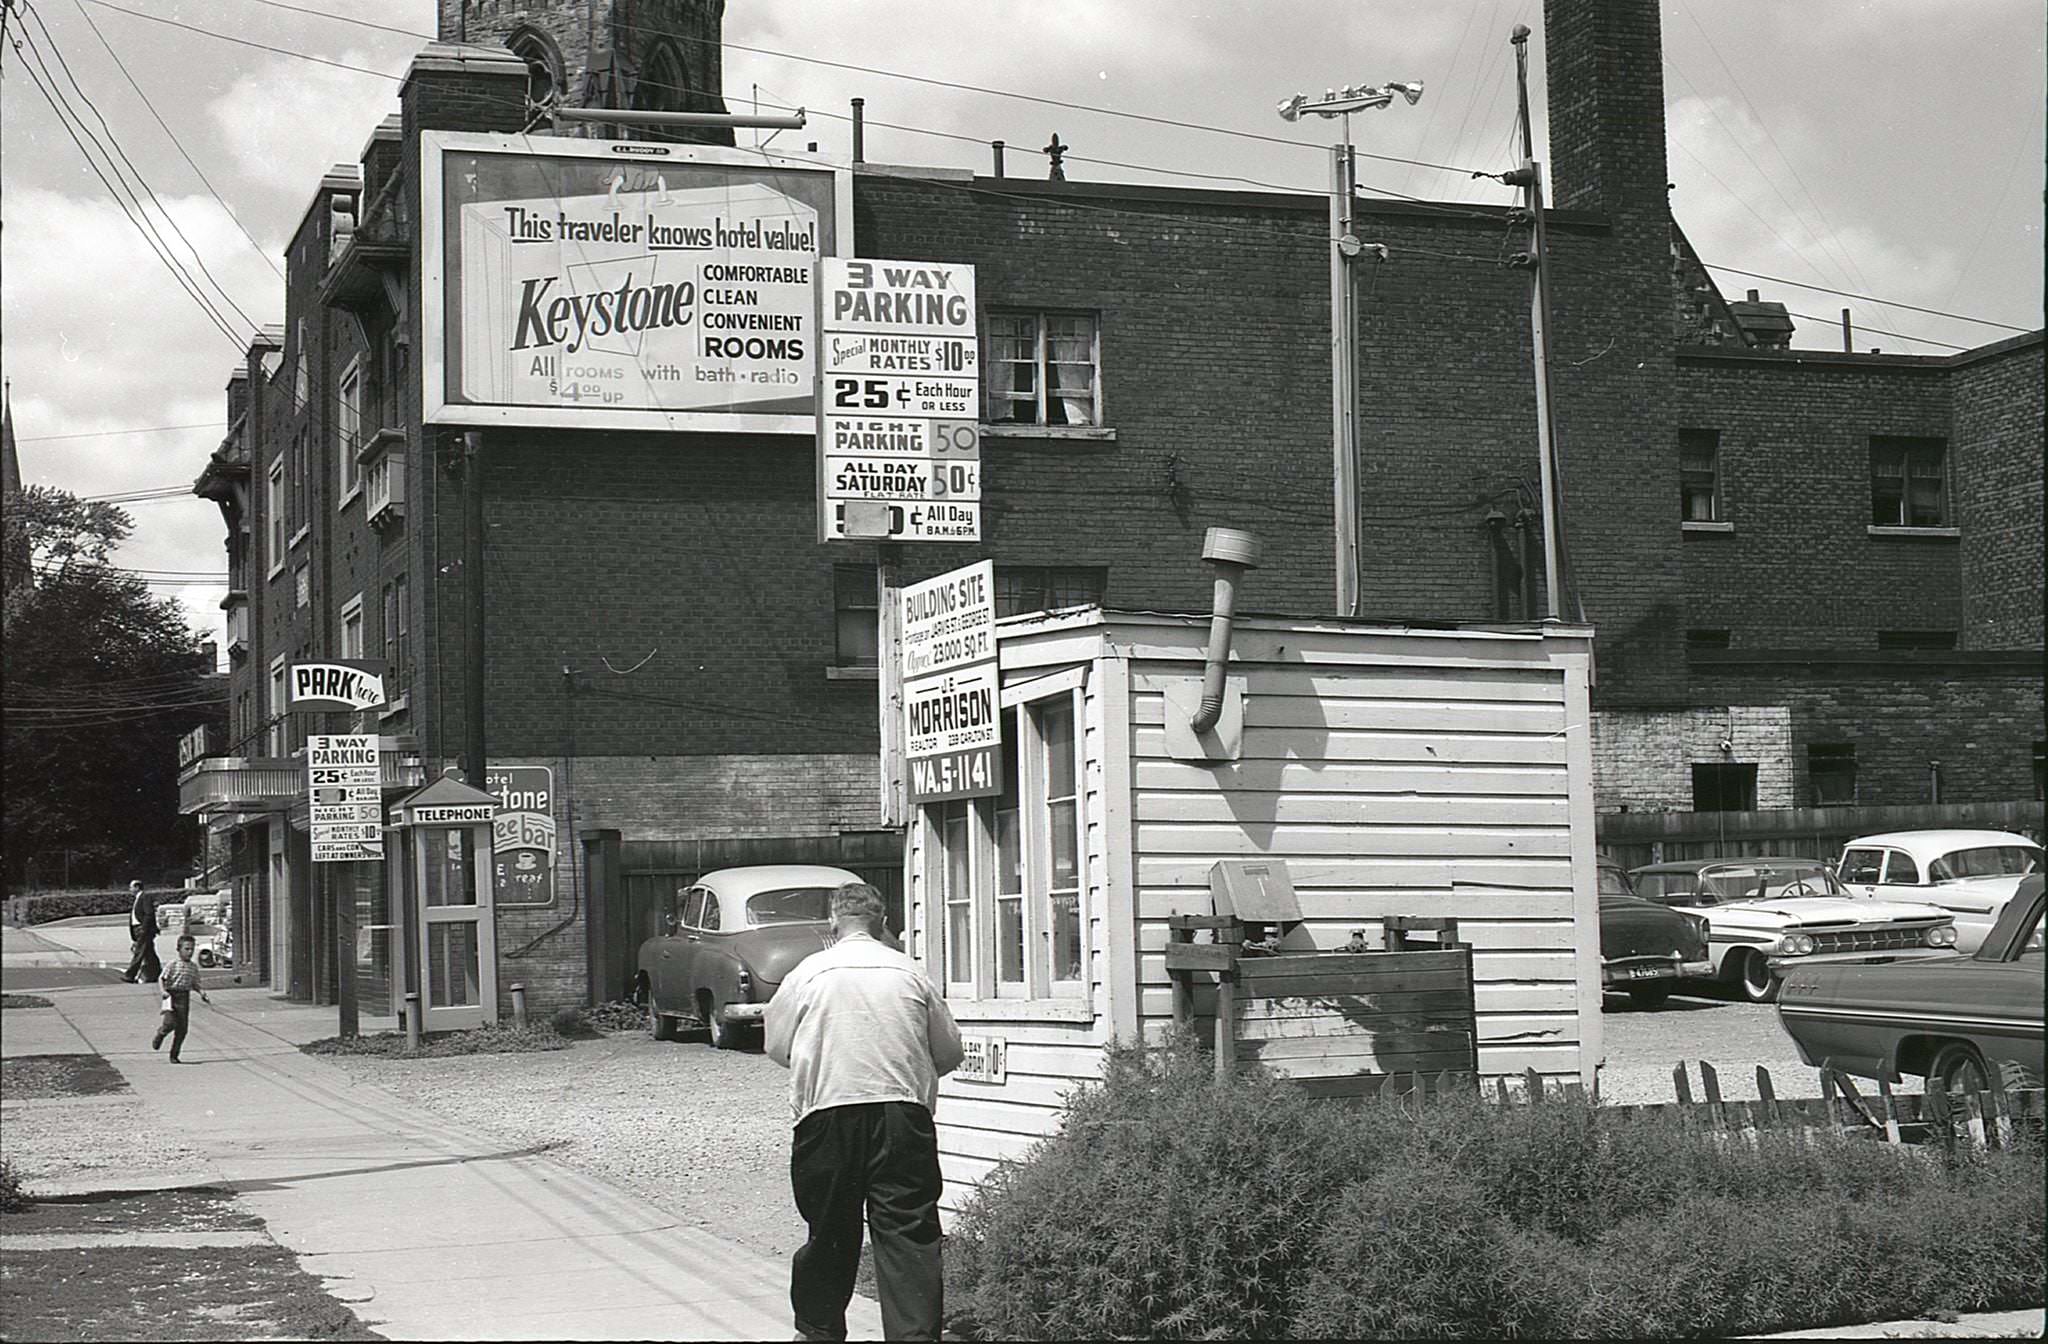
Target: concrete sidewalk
71 943
429 1231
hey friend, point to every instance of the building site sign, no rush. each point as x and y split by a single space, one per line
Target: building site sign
523 833
344 796
952 730
626 286
899 401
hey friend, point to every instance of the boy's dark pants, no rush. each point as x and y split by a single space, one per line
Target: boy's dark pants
176 1019
881 1158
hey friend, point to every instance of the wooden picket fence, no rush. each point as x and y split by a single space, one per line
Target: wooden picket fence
1980 1118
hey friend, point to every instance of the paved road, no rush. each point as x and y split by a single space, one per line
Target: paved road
24 979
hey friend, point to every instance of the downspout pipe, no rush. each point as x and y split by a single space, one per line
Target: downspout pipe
1232 553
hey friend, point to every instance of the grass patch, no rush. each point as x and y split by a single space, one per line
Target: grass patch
23 1001
492 1040
142 1293
1173 1207
197 1209
28 1077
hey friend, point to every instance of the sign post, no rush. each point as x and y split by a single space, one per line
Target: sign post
952 729
899 401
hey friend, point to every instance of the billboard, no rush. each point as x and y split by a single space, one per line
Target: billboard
623 285
523 833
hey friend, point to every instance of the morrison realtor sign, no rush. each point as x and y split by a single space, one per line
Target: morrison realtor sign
623 285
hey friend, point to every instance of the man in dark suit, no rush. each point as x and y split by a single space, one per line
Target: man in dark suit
144 967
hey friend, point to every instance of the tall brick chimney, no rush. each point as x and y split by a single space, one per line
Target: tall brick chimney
1605 63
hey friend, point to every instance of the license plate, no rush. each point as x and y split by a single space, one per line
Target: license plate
1650 972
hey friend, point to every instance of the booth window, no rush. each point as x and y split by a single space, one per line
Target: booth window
1007 900
1044 369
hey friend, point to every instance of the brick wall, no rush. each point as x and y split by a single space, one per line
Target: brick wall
1978 719
1997 446
1801 569
1643 758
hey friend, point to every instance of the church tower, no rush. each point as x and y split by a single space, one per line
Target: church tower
647 55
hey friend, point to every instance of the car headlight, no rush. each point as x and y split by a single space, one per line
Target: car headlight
1943 936
1795 945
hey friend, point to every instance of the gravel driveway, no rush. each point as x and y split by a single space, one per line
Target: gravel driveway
702 1133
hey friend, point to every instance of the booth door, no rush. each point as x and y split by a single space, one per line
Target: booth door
458 939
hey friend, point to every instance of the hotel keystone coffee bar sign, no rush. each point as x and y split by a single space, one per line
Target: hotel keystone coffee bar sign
899 402
593 283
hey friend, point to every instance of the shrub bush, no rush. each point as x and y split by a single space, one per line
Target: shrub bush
55 905
618 1015
13 1199
502 1039
1170 1206
569 1022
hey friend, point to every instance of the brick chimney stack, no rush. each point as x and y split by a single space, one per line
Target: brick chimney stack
1605 65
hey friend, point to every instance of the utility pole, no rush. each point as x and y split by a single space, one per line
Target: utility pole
1529 177
889 678
473 608
1344 247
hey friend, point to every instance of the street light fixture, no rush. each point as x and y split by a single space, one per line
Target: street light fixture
1344 246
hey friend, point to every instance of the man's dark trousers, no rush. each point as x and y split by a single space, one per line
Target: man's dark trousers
880 1158
145 965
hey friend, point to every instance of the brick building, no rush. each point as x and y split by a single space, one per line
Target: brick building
1811 574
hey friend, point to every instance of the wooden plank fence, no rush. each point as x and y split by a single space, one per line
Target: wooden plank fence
1977 1118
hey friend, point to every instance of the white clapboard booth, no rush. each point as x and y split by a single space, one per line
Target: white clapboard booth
443 895
1395 771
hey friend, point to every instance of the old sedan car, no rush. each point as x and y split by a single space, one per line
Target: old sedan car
728 940
1646 949
1767 914
1970 874
1951 1021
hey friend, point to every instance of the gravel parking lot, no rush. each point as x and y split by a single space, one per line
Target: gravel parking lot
703 1133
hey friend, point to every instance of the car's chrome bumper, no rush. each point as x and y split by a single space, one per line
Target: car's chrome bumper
743 1012
1864 957
1650 971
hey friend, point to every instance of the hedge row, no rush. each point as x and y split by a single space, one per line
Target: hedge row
54 905
1173 1207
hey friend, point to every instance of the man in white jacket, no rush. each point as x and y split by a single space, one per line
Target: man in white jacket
866 1038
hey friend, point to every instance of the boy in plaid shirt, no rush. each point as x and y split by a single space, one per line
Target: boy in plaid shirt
180 981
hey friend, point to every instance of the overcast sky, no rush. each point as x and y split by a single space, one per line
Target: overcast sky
1893 148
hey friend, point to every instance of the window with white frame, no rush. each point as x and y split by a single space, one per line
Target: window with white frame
1044 369
352 627
1007 908
273 504
1909 482
1699 469
274 709
348 429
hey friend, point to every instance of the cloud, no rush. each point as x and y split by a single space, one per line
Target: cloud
330 113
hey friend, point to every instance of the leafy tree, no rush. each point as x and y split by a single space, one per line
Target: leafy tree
101 679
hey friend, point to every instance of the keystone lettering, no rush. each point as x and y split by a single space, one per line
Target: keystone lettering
544 321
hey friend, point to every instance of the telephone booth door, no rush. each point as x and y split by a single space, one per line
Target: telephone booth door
458 954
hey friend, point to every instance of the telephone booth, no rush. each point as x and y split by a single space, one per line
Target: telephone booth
441 885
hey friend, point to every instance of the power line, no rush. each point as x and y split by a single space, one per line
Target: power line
1848 294
122 66
115 145
1880 331
245 42
115 433
140 223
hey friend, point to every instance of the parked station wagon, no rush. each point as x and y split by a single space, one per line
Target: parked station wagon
1970 874
1952 1021
1767 914
728 940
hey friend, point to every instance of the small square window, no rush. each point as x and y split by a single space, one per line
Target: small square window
1706 639
1831 766
1044 369
1699 490
1908 482
1903 640
1719 787
856 616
